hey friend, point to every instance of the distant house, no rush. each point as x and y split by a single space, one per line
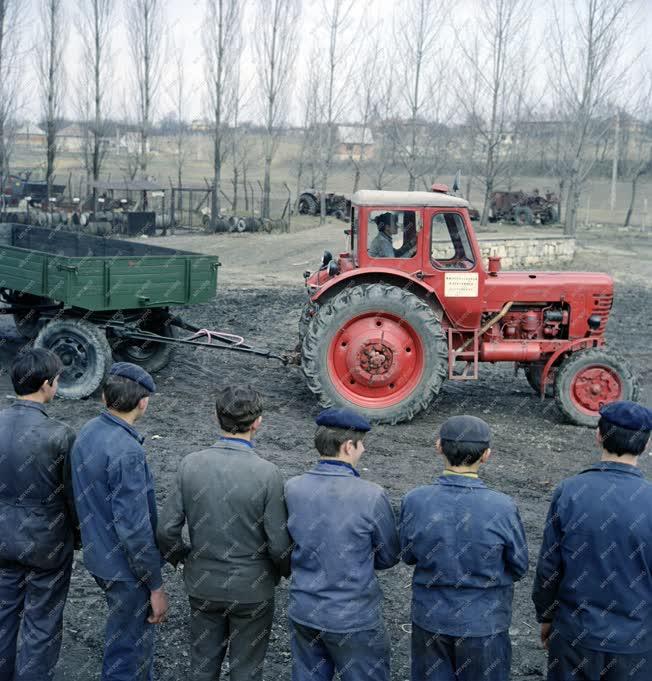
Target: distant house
29 135
354 142
71 138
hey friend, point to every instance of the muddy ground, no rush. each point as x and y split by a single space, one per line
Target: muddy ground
533 447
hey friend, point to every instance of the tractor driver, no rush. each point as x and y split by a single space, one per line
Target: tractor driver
382 245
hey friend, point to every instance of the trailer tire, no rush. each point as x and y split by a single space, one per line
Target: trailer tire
85 352
149 355
587 379
408 361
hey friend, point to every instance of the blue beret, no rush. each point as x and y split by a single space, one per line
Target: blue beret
343 418
465 429
135 373
627 415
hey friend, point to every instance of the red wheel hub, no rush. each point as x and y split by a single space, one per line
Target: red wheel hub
375 360
594 386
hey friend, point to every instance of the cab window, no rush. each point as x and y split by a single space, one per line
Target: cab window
392 234
450 248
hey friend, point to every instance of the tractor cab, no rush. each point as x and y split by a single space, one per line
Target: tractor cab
410 304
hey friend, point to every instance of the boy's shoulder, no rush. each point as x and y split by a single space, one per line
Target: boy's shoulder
436 489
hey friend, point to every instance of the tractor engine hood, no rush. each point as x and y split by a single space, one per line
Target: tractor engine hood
586 294
334 267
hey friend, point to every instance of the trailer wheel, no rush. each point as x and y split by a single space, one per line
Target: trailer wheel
533 375
27 323
84 351
588 379
523 216
150 355
377 349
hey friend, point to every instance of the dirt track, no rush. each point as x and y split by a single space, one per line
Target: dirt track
533 447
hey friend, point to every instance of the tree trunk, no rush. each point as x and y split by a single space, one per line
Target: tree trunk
236 176
267 186
632 199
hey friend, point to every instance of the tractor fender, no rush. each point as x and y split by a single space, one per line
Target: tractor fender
372 275
571 346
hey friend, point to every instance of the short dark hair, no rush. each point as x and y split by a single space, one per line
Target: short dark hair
328 440
123 394
618 440
463 453
32 367
237 407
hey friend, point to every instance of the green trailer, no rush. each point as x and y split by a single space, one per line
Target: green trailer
93 300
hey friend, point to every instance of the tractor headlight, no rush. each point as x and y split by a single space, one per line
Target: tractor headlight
326 258
594 321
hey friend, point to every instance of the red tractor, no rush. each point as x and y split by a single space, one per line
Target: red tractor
411 304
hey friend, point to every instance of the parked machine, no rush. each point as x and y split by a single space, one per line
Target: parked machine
338 205
382 334
524 209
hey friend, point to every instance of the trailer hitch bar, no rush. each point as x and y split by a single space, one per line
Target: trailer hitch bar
223 341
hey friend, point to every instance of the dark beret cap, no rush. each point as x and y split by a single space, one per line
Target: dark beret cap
465 429
343 418
135 373
627 415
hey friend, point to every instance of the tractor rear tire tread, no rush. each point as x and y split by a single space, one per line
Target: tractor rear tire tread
366 297
568 368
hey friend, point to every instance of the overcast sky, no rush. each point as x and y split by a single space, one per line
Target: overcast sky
184 19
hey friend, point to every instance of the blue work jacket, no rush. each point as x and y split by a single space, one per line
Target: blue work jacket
468 546
594 574
343 528
115 501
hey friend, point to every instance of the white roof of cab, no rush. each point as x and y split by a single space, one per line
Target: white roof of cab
373 197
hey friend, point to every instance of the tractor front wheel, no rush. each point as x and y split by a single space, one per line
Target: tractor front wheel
588 379
533 374
378 349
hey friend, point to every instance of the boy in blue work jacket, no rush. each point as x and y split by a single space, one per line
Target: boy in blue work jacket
468 546
593 585
114 496
343 529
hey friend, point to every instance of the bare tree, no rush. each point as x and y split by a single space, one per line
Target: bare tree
493 58
383 127
586 70
146 34
337 21
417 24
179 95
309 150
95 19
368 80
276 26
222 24
638 159
51 78
9 84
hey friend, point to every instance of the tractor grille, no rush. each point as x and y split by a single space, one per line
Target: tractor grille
602 303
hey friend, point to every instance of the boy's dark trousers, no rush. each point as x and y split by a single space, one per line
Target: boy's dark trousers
37 598
128 637
438 657
569 660
243 628
357 656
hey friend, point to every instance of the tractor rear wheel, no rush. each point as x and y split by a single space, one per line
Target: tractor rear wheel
523 215
378 349
308 205
84 352
588 379
533 375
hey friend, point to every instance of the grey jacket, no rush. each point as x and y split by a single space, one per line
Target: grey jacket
233 503
38 524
